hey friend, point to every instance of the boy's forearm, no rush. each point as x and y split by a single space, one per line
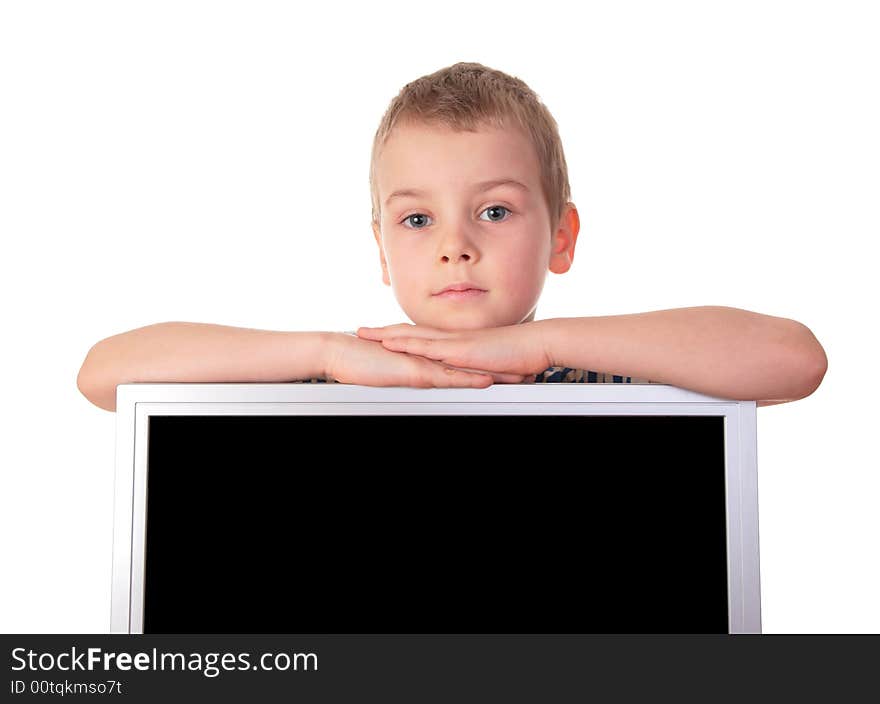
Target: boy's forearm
199 352
714 350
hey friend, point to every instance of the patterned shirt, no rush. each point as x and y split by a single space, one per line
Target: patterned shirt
569 375
551 375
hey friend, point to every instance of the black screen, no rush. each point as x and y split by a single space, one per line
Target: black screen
436 524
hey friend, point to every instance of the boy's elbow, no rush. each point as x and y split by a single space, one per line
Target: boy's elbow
99 397
88 385
82 378
816 362
821 367
819 374
818 359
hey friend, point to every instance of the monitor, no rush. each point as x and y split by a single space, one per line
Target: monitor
518 508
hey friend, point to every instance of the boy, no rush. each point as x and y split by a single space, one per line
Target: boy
454 146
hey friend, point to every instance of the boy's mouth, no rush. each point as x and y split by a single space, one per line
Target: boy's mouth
461 286
462 295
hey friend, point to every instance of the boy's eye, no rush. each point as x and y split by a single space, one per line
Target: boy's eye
490 208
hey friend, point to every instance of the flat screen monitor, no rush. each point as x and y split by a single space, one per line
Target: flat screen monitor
552 508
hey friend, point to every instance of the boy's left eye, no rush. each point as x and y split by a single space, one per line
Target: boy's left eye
496 207
491 207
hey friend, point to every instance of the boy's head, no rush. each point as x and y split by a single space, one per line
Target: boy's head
442 136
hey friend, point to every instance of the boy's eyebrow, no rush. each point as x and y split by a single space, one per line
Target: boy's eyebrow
478 188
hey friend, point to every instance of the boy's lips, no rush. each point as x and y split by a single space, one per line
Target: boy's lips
460 286
465 295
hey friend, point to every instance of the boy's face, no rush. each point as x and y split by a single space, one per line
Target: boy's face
498 239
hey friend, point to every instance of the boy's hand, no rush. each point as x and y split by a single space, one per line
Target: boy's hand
352 360
513 349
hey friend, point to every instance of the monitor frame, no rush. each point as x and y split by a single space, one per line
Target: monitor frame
135 403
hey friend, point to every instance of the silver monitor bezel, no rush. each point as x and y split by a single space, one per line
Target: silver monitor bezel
135 403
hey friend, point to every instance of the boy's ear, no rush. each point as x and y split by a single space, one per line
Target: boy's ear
377 234
564 240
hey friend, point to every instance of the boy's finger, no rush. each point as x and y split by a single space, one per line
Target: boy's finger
507 378
458 377
497 377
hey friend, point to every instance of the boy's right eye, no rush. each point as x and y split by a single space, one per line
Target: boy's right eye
414 215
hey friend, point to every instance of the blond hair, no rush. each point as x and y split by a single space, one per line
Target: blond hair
466 96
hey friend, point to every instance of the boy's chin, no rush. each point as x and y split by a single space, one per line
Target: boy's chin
461 321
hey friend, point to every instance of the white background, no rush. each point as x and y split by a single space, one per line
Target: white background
209 162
